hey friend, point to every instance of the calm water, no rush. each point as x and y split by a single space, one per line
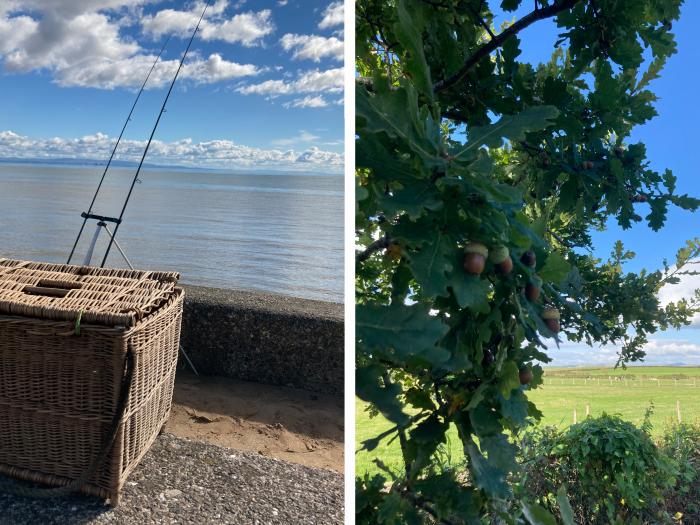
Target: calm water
276 233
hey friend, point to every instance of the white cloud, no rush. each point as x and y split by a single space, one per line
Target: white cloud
109 74
81 43
213 153
660 351
304 136
312 47
313 81
247 28
307 102
333 15
282 3
685 289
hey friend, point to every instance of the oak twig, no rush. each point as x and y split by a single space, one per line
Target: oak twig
500 39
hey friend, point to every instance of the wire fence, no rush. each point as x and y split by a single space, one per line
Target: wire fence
617 381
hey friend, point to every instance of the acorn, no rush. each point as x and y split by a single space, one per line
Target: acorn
640 197
550 316
500 257
475 255
532 289
394 251
619 151
529 259
525 375
587 165
488 358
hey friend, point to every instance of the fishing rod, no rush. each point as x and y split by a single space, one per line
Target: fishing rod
88 215
150 139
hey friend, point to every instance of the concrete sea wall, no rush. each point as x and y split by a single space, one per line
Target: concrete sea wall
265 338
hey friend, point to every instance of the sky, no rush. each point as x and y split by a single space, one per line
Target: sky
262 86
671 140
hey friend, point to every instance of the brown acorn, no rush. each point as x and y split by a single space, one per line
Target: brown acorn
587 165
640 197
394 251
500 257
529 259
619 151
475 255
550 316
532 289
525 375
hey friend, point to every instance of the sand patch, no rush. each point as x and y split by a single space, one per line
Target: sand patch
274 421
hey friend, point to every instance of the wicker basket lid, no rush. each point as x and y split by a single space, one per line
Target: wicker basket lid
102 296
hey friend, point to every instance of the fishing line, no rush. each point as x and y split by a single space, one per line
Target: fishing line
114 151
150 139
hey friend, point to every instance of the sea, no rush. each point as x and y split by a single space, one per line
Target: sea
272 232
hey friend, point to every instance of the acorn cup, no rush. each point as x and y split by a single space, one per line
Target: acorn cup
475 255
550 316
533 289
500 257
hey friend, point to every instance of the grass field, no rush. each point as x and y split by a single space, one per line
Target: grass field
625 392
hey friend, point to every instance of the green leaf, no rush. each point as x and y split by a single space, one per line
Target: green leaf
509 379
409 32
419 399
484 421
471 291
487 477
409 330
370 388
536 515
396 114
414 199
565 510
430 265
555 268
515 408
500 451
511 127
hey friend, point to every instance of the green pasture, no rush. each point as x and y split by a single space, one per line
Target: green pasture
596 390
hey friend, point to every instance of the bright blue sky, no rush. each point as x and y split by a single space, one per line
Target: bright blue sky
671 140
262 87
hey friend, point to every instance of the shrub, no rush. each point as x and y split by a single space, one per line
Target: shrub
613 471
681 443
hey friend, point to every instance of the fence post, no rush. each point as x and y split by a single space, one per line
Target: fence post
575 419
678 410
588 410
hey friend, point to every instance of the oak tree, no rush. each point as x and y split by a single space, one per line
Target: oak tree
480 178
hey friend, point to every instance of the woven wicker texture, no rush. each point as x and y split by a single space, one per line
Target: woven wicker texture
97 295
59 390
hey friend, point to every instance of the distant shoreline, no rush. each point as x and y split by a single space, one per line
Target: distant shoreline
122 164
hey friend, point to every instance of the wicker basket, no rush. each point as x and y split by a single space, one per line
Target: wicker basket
87 367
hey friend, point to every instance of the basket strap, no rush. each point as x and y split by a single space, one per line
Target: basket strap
20 489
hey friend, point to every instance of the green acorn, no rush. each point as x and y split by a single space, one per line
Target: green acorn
500 257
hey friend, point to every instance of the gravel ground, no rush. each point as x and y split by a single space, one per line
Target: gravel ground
184 481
